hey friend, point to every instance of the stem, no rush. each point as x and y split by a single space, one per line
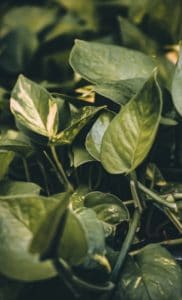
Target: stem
126 245
59 166
42 169
135 192
27 173
174 219
156 197
163 243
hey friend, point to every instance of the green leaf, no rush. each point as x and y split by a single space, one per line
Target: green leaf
73 245
19 46
153 274
39 114
108 207
95 135
17 142
120 91
20 218
110 67
77 198
176 85
47 231
15 188
131 133
94 232
98 62
80 119
34 18
6 158
36 110
80 155
133 37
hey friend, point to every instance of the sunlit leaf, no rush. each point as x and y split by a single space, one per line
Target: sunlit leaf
95 135
177 85
131 133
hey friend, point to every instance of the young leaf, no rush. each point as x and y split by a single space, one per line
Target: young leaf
6 158
95 135
131 133
176 85
153 274
19 219
80 119
108 207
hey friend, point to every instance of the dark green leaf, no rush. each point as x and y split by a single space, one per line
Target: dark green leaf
6 158
19 46
9 289
153 274
108 207
49 227
73 245
131 133
17 142
80 155
95 135
133 37
94 232
177 85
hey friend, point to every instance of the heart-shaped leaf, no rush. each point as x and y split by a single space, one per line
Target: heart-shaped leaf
39 114
98 62
131 133
153 274
117 72
176 85
95 135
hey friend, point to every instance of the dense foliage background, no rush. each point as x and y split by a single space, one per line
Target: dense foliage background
90 149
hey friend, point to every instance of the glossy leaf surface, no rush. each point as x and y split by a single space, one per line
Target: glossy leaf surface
95 135
131 133
153 274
